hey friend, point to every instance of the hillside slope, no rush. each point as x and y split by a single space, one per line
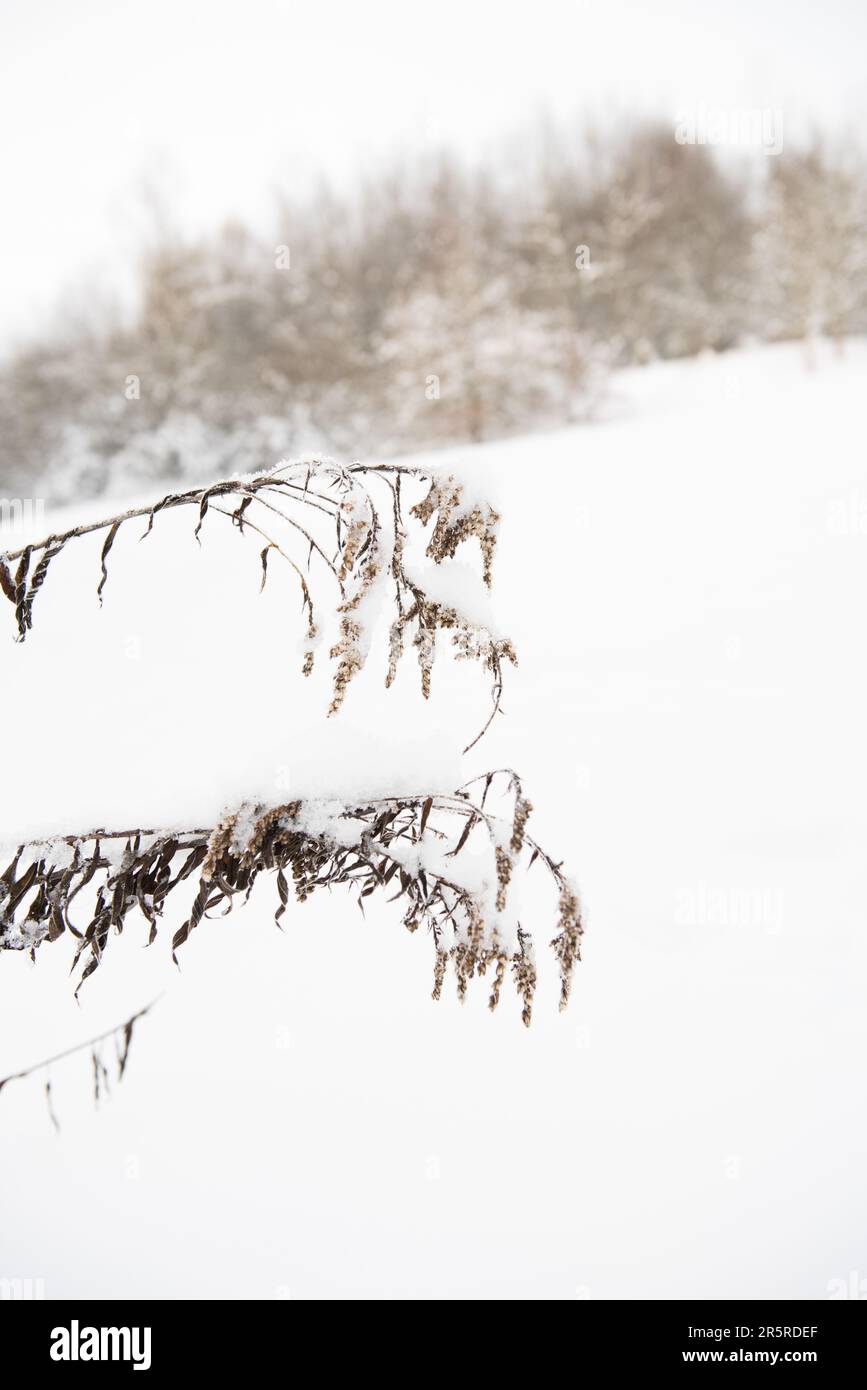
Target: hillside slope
684 582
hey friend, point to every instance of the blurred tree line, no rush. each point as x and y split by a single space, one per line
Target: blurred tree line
437 304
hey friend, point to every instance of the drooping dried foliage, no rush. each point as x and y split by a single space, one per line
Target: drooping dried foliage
351 527
108 1055
451 862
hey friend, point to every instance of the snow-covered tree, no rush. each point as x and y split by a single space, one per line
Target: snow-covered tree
812 247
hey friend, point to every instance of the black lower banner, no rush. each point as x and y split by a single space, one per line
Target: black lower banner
81 1338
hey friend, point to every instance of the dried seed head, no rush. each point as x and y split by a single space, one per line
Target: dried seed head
355 538
522 815
497 985
567 944
504 873
524 972
440 962
456 523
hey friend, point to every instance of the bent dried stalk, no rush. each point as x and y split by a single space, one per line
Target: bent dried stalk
103 1073
423 850
347 535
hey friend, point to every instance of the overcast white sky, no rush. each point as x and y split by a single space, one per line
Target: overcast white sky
221 101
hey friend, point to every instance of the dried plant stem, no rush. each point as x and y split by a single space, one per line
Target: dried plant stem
427 848
118 1030
367 548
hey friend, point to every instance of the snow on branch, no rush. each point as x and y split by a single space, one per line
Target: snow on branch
341 533
451 863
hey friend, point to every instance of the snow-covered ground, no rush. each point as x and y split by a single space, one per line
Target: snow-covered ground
685 583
